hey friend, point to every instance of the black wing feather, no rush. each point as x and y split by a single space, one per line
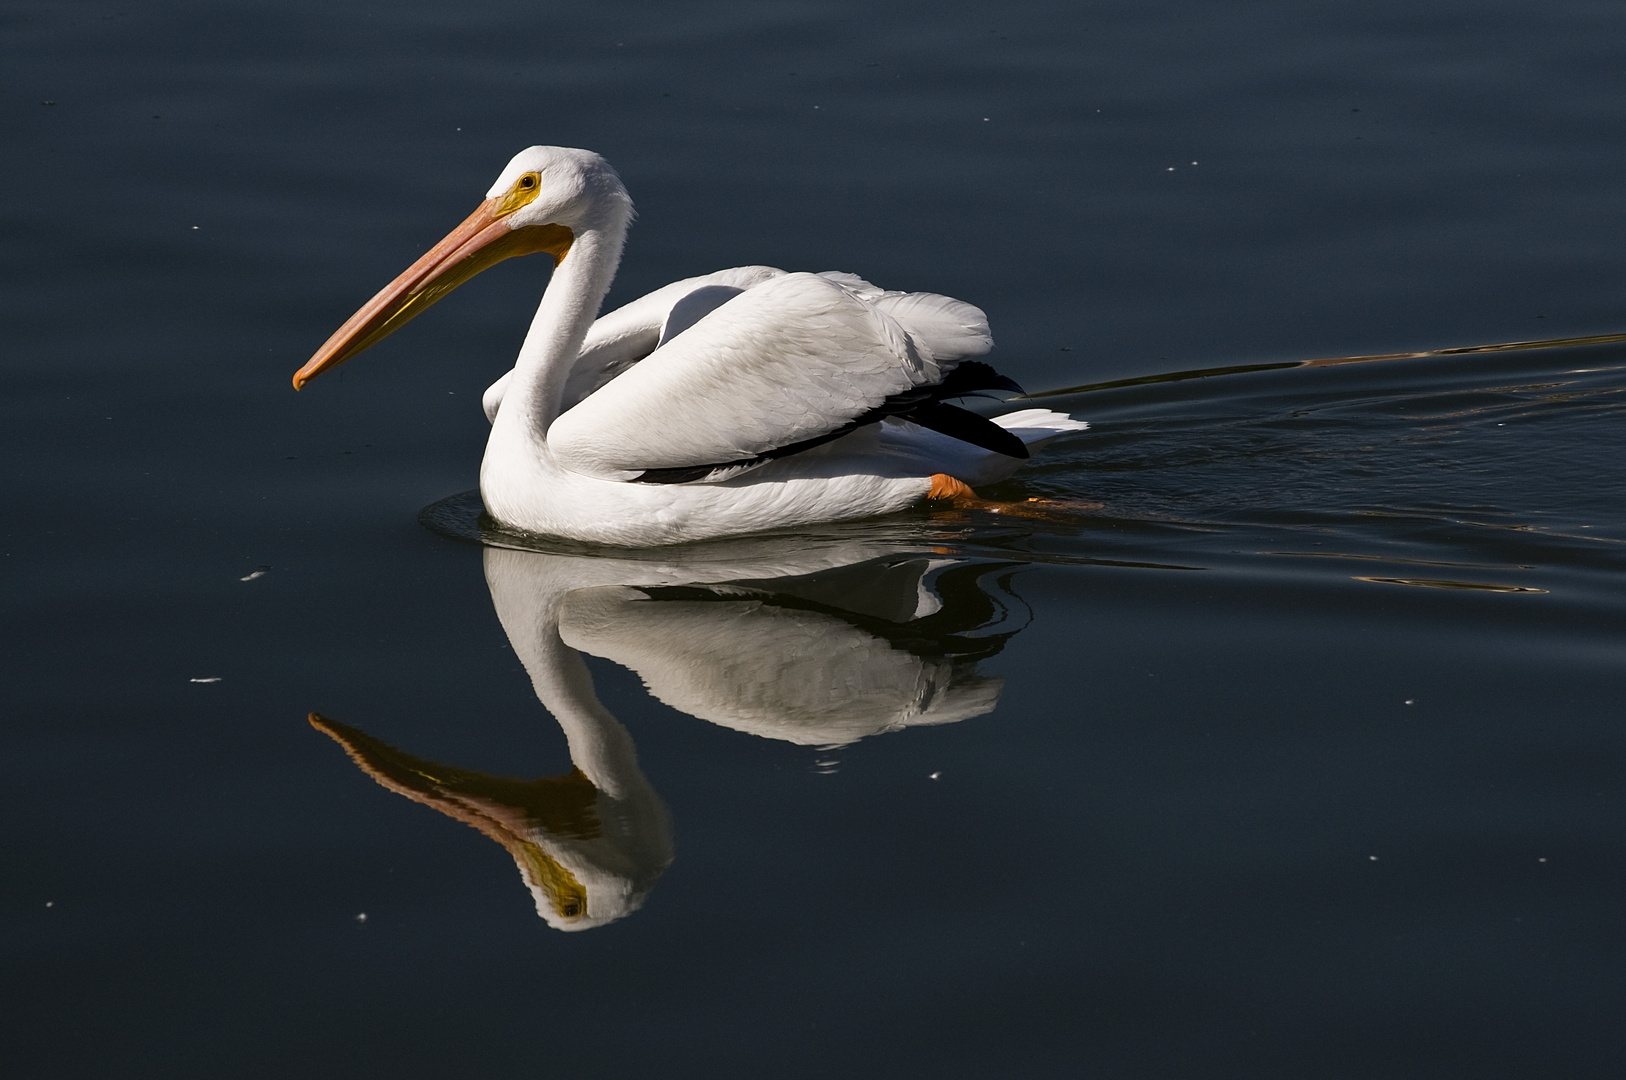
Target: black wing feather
958 423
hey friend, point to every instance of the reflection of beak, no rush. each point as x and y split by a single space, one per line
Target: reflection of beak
484 239
506 810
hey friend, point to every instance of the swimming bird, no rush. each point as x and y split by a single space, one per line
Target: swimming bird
739 401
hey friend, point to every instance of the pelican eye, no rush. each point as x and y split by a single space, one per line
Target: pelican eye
525 190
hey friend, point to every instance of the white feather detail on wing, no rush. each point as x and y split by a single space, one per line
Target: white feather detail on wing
947 328
789 359
950 330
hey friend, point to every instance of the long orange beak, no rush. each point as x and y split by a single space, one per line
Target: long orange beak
483 240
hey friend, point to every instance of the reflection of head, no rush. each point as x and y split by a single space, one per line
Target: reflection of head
569 840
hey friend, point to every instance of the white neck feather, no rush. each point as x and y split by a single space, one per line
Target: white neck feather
569 305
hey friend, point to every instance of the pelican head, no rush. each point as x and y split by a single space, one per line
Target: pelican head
542 200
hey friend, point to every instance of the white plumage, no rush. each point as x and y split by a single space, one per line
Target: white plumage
743 400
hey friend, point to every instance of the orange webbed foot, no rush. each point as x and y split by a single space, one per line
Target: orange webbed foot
958 494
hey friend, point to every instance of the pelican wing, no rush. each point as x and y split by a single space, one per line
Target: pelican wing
621 338
789 361
947 328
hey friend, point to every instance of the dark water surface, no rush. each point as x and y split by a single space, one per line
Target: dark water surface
1302 755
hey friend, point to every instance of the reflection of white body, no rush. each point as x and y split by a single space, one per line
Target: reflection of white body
803 676
591 844
699 411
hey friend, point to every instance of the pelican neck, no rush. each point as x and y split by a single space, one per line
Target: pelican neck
569 305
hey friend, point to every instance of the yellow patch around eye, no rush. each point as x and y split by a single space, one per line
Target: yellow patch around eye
521 194
565 894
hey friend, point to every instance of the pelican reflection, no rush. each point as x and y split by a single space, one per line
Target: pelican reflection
813 644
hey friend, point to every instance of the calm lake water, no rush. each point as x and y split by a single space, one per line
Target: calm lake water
1303 755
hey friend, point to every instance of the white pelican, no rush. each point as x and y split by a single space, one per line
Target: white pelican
744 400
